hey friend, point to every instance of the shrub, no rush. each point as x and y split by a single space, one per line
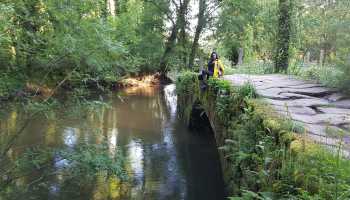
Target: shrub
259 67
326 75
247 90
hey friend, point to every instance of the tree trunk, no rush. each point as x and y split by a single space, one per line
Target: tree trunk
322 55
111 7
240 56
200 26
194 48
183 25
283 37
171 41
307 58
170 44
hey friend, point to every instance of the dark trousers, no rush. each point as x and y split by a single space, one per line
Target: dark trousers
203 77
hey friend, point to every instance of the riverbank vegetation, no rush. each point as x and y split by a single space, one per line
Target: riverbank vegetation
80 42
81 46
265 156
101 42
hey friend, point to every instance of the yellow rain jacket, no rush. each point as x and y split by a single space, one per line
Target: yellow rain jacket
218 69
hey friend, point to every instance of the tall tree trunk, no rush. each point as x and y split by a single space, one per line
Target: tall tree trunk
240 56
111 7
283 37
322 57
307 58
170 44
183 25
171 41
183 43
200 26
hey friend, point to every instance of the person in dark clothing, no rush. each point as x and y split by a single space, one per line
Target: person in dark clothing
215 67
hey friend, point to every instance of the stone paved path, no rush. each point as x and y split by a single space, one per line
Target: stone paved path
324 112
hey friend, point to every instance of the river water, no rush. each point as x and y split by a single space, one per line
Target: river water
164 160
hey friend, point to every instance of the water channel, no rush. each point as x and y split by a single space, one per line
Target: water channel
164 160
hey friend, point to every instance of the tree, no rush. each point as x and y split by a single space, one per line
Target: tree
248 27
206 10
180 10
183 27
201 23
283 36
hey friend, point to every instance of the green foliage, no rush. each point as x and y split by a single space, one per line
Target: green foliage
219 87
48 41
91 160
247 91
327 75
255 68
302 33
250 25
5 39
187 82
265 157
46 108
10 84
76 168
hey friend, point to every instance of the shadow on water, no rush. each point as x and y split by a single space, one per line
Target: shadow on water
163 158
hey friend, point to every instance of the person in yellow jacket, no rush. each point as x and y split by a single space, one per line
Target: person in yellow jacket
215 67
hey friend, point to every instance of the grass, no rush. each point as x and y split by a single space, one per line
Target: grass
251 68
330 76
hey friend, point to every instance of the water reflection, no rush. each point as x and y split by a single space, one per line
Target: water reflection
135 159
171 98
113 141
163 159
70 136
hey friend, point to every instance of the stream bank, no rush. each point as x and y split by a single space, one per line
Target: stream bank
263 155
39 89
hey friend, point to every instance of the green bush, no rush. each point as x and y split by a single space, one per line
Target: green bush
10 84
187 82
326 75
247 90
255 68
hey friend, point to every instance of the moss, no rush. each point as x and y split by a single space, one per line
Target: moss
187 85
261 152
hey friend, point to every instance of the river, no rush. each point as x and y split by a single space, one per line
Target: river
164 160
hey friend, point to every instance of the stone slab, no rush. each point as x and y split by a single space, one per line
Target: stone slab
319 108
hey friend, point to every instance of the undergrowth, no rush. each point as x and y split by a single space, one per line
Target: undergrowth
10 84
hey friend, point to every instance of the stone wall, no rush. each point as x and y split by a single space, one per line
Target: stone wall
261 153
